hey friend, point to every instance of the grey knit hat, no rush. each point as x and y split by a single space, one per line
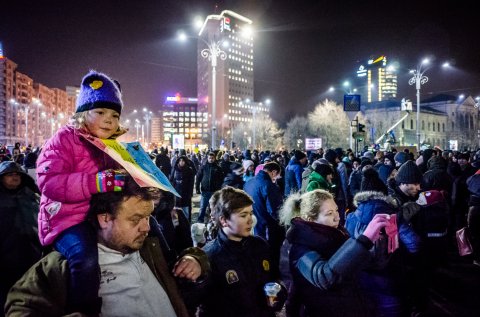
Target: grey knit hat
409 173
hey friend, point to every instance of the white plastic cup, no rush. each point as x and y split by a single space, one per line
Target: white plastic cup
271 291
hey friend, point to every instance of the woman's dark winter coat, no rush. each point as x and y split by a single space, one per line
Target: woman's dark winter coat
324 263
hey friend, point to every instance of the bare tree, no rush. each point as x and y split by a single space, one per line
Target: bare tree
295 133
330 122
268 135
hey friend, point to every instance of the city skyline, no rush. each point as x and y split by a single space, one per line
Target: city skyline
300 49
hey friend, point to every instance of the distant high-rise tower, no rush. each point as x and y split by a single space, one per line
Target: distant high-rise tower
234 74
381 80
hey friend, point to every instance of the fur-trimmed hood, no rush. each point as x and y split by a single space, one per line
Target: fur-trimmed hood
364 196
369 203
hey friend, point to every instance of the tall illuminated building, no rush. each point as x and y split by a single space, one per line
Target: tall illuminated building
378 80
234 74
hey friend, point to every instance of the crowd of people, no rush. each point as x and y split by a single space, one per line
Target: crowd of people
338 234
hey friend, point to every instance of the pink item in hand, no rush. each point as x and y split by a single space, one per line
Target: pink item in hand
392 232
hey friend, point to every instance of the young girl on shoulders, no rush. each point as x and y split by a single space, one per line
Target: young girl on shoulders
70 170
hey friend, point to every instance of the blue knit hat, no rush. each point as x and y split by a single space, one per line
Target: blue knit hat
99 91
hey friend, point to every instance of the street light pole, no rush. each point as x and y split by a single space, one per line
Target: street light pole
418 79
212 53
137 125
147 117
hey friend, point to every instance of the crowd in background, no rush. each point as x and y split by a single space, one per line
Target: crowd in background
432 195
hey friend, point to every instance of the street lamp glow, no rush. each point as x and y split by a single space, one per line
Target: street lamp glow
247 31
182 36
198 23
331 89
268 101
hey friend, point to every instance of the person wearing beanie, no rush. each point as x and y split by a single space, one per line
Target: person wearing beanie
340 180
386 172
249 168
426 155
234 177
293 172
384 281
225 163
355 179
389 159
70 170
437 177
371 182
320 178
400 158
331 156
403 192
368 155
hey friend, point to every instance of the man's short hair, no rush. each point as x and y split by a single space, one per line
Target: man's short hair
272 166
109 202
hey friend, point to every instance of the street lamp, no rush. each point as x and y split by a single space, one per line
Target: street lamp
147 117
212 52
419 79
137 126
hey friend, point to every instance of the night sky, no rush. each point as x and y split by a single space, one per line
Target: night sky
301 47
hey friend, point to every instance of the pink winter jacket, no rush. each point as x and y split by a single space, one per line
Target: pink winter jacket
66 171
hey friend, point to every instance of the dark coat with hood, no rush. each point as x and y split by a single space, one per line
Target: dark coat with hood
267 202
163 163
19 243
384 278
183 179
437 177
293 176
209 178
324 263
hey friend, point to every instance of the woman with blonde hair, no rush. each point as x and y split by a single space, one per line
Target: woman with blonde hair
323 259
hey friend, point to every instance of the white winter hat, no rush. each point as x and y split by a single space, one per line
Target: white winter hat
247 163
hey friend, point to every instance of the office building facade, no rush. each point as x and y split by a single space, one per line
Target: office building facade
181 120
377 80
30 112
234 74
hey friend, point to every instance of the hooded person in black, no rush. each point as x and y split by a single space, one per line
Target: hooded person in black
19 205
